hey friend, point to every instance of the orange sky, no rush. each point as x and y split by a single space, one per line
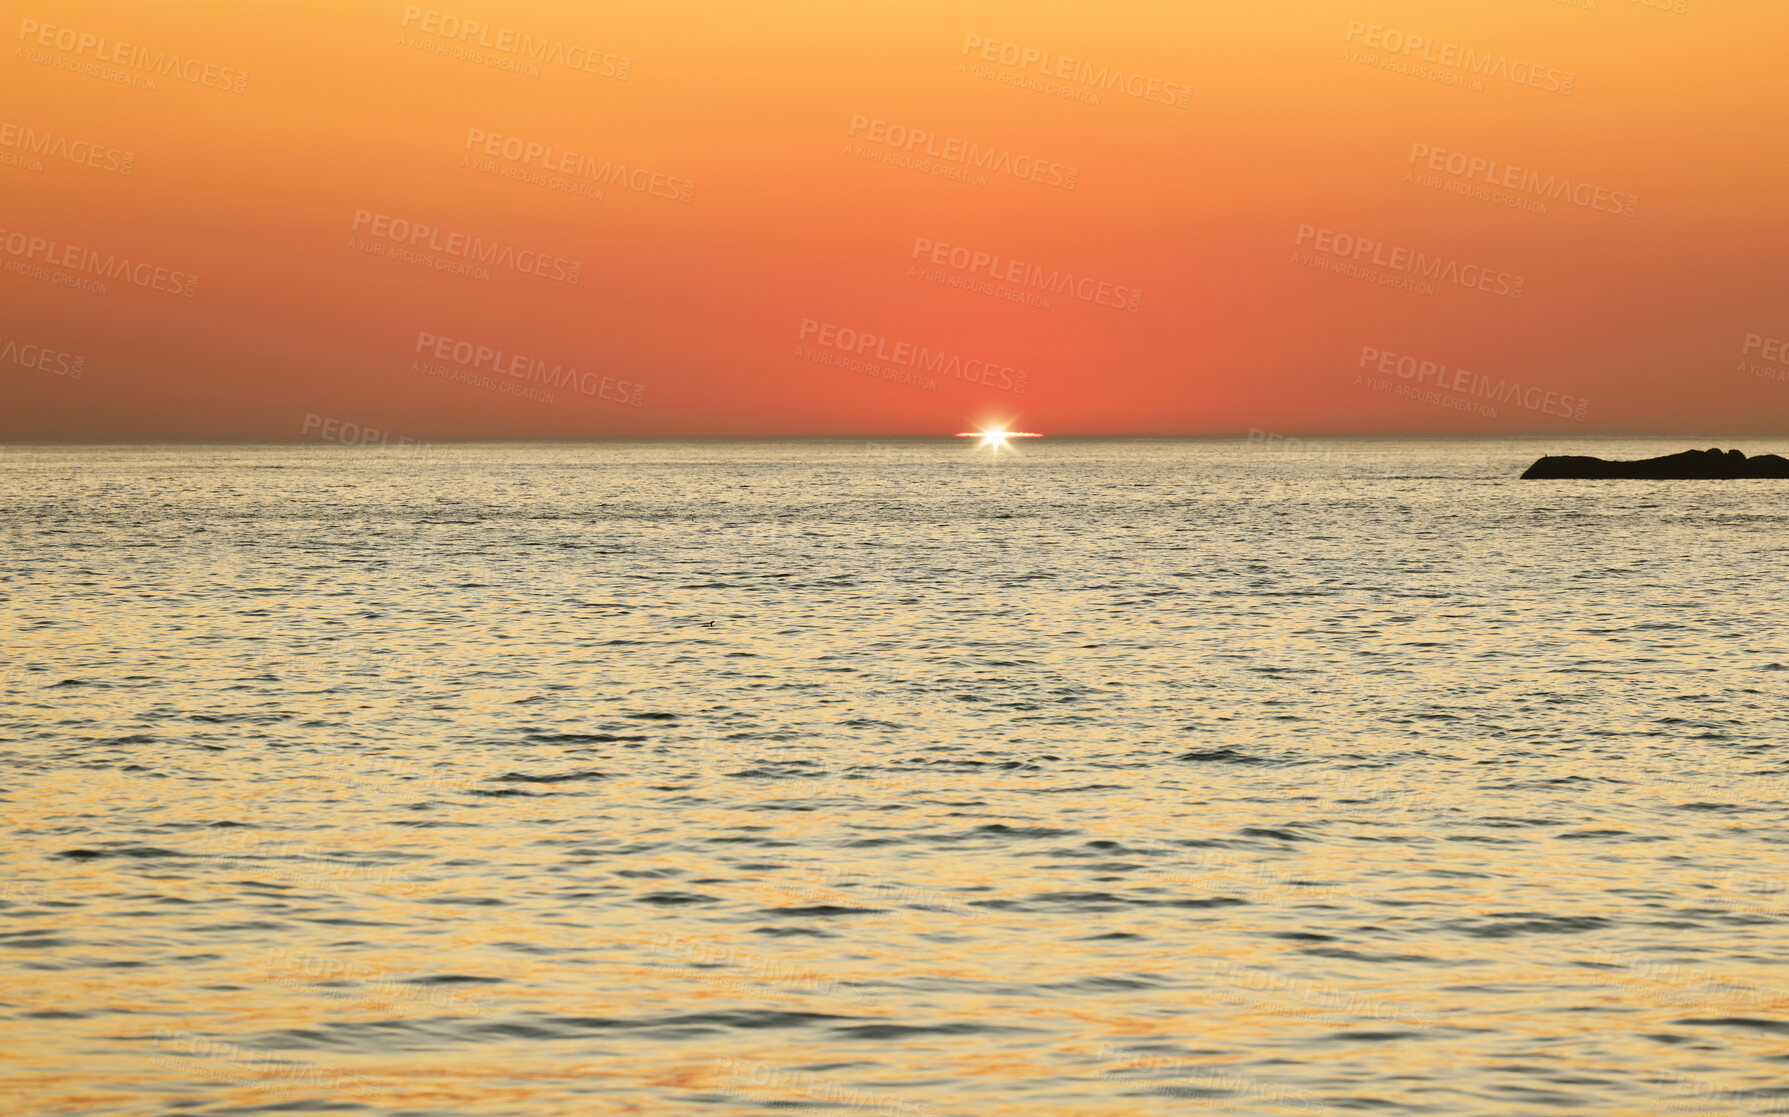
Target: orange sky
544 219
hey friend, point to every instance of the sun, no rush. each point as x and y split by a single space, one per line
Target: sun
996 436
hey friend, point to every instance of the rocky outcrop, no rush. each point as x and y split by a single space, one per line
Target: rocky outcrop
1691 465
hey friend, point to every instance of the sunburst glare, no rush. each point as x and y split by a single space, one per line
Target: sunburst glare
996 436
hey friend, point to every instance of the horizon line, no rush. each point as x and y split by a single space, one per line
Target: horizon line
394 443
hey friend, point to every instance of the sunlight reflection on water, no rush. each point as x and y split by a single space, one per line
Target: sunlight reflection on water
1109 778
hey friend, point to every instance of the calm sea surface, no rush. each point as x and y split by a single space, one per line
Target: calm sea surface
1102 778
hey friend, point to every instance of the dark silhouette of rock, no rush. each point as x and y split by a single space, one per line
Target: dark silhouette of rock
1691 465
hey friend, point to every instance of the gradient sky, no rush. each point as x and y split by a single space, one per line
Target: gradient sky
722 309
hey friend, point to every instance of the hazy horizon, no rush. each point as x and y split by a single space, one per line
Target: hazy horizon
1691 440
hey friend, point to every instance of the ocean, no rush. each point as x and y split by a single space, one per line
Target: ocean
1228 776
